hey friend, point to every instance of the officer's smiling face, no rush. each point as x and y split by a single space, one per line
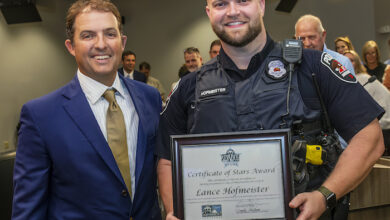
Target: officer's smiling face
236 23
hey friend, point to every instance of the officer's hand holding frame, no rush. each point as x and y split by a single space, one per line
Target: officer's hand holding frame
243 175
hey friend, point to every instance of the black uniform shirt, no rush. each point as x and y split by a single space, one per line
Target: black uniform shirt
348 104
237 74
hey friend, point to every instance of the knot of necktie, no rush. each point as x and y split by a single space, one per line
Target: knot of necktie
109 95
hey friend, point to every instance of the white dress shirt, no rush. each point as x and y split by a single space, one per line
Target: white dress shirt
94 90
129 75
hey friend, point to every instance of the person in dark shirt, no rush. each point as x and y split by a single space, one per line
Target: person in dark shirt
128 68
371 58
249 55
215 47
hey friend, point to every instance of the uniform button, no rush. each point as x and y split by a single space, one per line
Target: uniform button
124 193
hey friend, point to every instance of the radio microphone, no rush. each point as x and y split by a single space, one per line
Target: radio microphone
370 80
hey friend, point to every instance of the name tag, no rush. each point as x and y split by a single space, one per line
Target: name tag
213 92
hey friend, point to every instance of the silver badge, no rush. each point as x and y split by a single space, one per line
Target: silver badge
276 69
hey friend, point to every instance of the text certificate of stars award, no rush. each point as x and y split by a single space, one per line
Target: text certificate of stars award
241 175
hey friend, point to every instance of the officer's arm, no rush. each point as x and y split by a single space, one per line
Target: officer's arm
164 173
353 166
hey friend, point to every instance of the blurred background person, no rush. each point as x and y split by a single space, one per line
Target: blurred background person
214 48
378 91
372 62
182 72
388 60
192 61
145 68
309 29
192 58
128 68
342 44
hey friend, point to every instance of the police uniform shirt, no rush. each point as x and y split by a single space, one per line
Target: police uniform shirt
349 106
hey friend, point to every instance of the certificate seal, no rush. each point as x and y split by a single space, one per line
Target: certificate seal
211 210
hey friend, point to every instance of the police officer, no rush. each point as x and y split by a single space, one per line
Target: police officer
246 87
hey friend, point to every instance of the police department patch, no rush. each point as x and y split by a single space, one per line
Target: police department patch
169 97
337 69
276 69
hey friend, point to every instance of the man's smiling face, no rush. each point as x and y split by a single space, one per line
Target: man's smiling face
97 45
236 22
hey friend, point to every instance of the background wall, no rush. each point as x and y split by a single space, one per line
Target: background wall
34 61
382 18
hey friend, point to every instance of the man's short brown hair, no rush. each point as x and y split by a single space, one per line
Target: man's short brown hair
79 6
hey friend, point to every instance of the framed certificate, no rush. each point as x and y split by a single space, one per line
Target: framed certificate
241 175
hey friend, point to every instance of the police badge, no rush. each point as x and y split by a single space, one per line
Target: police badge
276 70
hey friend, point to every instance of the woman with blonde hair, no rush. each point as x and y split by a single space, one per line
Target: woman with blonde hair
372 62
378 91
342 44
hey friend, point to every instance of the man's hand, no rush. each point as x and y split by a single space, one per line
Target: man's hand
311 205
170 216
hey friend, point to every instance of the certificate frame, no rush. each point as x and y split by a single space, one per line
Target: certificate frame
179 142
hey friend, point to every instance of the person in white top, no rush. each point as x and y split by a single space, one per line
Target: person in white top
377 90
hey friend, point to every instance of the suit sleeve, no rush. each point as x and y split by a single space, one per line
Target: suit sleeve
31 172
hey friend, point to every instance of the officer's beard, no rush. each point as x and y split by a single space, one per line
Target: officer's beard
253 31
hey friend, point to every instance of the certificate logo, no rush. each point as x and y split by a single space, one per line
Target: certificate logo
211 210
230 158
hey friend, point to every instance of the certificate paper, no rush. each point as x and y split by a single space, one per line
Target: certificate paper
232 179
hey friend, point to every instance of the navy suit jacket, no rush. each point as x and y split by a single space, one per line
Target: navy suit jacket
64 168
137 75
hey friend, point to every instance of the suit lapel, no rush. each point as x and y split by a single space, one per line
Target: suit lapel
141 137
79 110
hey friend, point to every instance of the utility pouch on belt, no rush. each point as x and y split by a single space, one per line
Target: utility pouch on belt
300 173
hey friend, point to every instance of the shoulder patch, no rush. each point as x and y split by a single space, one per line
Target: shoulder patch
337 69
169 96
276 70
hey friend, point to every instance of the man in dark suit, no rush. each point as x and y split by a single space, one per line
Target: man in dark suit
67 163
128 69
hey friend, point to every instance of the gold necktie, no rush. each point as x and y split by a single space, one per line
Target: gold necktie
116 136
